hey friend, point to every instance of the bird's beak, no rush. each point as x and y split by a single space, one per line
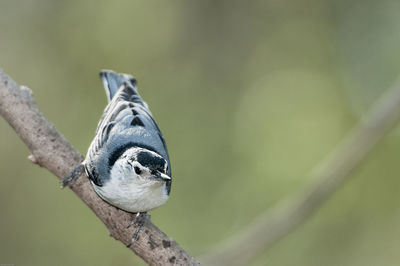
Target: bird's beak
163 176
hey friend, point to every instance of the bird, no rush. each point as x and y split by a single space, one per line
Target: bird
127 161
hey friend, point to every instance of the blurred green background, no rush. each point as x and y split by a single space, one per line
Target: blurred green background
250 95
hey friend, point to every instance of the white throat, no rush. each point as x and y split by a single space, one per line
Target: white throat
127 191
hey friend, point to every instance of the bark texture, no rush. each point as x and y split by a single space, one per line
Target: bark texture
51 150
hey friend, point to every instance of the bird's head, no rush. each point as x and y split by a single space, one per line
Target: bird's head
142 165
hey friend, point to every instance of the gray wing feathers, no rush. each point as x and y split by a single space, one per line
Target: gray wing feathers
126 118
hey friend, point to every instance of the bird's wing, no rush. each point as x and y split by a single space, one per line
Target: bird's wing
125 112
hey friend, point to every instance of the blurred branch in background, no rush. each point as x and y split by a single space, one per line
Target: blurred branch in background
324 180
52 151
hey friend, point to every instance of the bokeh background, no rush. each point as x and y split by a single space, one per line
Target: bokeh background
250 95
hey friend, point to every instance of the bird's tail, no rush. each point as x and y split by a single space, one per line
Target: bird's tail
113 81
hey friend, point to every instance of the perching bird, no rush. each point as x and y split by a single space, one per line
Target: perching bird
127 161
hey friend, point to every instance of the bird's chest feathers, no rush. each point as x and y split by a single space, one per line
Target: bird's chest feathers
131 193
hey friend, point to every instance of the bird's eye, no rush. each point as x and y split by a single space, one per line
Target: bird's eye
137 170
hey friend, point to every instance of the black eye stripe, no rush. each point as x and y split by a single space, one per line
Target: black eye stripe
151 161
116 154
137 170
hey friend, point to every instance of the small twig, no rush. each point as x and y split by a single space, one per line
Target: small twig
32 159
324 180
52 151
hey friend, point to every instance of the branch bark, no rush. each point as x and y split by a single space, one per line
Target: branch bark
52 151
324 180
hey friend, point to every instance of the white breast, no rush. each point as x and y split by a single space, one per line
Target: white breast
132 194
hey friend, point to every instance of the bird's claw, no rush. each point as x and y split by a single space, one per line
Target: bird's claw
72 176
140 219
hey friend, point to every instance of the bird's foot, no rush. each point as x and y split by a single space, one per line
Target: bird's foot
72 176
139 220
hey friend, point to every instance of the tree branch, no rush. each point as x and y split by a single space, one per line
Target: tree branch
52 151
324 180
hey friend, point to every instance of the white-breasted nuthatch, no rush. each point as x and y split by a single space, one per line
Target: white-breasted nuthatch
127 161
